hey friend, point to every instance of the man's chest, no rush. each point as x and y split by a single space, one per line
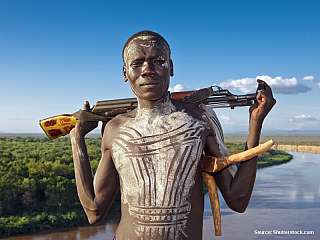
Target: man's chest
158 155
162 137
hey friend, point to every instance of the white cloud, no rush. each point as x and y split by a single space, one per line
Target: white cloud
302 117
278 84
279 81
244 85
312 79
177 88
225 119
308 78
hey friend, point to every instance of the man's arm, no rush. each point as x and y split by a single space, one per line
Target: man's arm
96 192
237 190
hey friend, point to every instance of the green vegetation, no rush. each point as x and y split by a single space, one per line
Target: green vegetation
35 222
273 157
269 158
283 139
37 185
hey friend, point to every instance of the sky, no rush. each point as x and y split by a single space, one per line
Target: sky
56 54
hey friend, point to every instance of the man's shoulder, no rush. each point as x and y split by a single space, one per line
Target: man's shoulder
196 110
117 121
112 127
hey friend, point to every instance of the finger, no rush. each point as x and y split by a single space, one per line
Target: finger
253 106
261 85
265 98
267 94
86 106
266 86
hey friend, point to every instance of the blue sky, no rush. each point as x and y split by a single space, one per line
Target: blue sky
54 55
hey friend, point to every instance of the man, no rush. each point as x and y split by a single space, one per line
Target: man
154 153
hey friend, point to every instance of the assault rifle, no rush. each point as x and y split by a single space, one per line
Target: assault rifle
104 111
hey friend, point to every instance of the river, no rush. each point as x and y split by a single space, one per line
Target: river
285 198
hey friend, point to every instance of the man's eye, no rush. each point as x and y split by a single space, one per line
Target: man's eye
159 61
135 64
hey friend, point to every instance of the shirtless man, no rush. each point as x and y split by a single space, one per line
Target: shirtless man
153 153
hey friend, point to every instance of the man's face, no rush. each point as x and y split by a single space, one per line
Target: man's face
147 67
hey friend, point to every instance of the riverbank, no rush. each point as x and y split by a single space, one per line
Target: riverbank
286 142
281 139
297 148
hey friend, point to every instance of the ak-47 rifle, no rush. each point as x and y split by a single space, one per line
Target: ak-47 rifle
104 111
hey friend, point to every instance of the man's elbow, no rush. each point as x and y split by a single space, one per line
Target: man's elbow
94 217
239 209
238 206
93 221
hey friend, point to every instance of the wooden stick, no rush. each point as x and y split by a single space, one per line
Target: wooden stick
214 201
212 164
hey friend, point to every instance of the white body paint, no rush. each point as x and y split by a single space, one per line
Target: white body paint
157 154
78 153
77 150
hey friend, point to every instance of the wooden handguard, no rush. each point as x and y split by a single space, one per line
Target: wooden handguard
179 95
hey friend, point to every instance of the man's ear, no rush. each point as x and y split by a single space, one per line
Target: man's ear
124 73
171 68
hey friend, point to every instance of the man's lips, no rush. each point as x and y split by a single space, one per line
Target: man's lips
149 84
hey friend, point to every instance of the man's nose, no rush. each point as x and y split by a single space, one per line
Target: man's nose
147 70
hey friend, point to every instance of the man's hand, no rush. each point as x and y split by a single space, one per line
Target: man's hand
263 104
84 127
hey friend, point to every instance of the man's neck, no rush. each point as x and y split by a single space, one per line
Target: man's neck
151 109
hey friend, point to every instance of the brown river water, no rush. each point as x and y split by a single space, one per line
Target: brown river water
285 204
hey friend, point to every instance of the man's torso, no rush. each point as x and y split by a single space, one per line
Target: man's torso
158 159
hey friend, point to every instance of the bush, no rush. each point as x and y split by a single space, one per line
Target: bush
27 224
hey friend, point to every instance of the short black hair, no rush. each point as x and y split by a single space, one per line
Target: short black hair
145 33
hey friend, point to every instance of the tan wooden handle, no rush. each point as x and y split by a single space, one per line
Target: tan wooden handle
213 164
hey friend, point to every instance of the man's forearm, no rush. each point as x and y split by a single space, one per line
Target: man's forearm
83 171
243 182
255 127
247 170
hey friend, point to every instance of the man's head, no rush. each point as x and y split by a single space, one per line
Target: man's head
147 65
145 33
